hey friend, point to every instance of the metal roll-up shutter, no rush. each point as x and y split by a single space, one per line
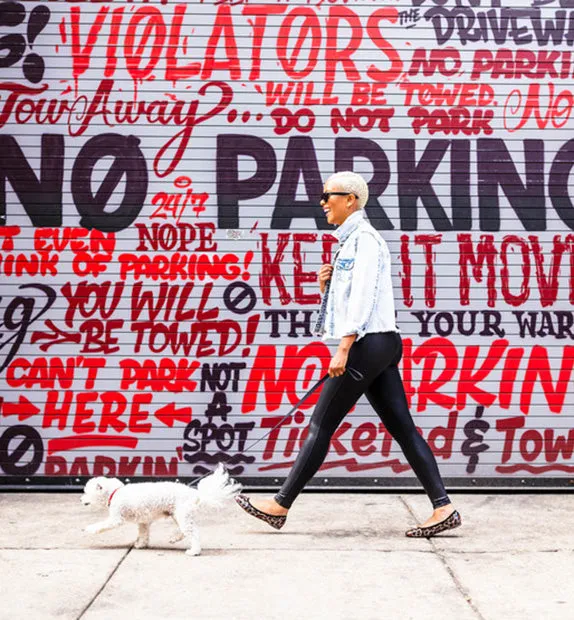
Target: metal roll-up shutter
161 165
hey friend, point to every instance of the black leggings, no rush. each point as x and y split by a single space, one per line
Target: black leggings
376 356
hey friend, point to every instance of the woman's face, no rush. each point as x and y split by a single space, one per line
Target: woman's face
337 207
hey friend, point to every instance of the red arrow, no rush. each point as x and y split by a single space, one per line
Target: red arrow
24 409
169 414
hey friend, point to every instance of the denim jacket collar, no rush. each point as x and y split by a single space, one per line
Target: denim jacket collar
349 226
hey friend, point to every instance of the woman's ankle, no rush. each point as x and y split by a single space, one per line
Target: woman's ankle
279 508
281 501
443 510
270 506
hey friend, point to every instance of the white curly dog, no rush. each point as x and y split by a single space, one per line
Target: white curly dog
145 502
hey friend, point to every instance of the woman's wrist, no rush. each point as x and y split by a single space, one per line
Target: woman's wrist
346 343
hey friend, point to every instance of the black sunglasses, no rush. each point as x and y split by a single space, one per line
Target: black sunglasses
326 195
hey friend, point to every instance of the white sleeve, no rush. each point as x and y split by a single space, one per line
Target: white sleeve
367 274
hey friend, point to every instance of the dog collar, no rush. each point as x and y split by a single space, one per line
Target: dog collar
111 495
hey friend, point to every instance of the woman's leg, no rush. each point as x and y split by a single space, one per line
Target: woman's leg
369 356
337 399
387 396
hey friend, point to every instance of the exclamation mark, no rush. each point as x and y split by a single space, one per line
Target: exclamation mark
33 63
246 262
250 331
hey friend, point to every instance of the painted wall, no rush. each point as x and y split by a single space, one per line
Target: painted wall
160 171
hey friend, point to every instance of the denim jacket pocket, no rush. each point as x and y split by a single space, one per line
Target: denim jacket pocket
345 264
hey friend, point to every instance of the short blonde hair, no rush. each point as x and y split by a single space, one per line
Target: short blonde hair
354 184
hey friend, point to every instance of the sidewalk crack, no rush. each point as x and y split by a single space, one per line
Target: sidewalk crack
461 589
109 578
458 585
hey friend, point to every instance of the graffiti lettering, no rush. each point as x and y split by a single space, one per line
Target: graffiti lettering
125 466
531 444
19 315
42 200
414 181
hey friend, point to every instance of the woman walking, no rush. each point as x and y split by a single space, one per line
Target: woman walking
358 311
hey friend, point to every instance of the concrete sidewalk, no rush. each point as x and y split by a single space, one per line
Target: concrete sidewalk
340 556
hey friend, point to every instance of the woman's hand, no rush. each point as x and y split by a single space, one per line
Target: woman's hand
325 274
338 363
339 360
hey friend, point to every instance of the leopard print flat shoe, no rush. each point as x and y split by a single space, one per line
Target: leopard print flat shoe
275 521
452 521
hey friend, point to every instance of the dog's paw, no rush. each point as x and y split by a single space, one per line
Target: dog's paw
91 529
141 544
176 538
193 551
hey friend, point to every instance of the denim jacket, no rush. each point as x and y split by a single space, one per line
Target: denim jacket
360 297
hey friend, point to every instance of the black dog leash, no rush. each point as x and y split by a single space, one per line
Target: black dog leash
355 374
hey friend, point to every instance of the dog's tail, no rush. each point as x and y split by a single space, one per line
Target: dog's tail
217 488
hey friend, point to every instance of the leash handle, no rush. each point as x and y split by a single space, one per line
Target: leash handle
353 372
357 375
